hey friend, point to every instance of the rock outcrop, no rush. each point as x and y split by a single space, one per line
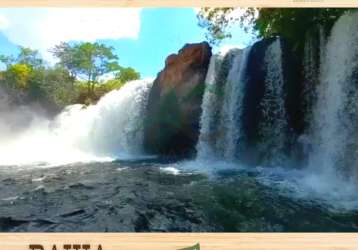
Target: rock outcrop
174 105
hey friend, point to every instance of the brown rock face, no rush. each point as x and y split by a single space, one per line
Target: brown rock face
174 106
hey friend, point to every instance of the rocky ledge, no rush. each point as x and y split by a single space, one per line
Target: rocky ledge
174 105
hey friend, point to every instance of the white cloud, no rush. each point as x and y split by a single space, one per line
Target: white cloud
4 24
43 28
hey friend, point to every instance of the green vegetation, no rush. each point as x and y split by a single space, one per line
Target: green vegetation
217 21
290 23
127 74
87 61
76 78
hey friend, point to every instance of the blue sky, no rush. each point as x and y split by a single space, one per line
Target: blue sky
142 38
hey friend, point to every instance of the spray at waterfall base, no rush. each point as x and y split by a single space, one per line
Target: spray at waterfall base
262 159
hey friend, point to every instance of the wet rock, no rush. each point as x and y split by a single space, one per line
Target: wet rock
174 106
7 223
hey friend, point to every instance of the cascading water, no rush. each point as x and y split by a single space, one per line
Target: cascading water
209 109
224 106
314 49
335 135
232 106
310 69
330 93
110 129
274 121
221 104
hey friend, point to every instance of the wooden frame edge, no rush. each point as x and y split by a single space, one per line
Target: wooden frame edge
180 3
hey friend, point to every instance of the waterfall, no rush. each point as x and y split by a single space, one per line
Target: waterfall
335 135
110 129
209 105
221 105
232 106
222 134
274 120
314 49
310 68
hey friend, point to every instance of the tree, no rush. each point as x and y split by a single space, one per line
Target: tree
18 75
7 60
67 56
29 57
87 61
217 21
26 56
290 23
28 78
58 83
127 74
76 78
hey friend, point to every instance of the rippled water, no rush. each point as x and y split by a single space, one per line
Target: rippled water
162 195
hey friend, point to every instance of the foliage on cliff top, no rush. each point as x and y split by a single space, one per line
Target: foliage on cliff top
290 23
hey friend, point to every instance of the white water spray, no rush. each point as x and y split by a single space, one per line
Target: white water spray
335 134
222 104
232 106
274 125
111 129
209 109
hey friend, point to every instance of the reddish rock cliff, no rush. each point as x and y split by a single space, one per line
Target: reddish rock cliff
174 106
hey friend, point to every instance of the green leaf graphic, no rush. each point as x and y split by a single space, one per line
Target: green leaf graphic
195 247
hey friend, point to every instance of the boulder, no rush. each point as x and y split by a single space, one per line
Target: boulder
174 105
